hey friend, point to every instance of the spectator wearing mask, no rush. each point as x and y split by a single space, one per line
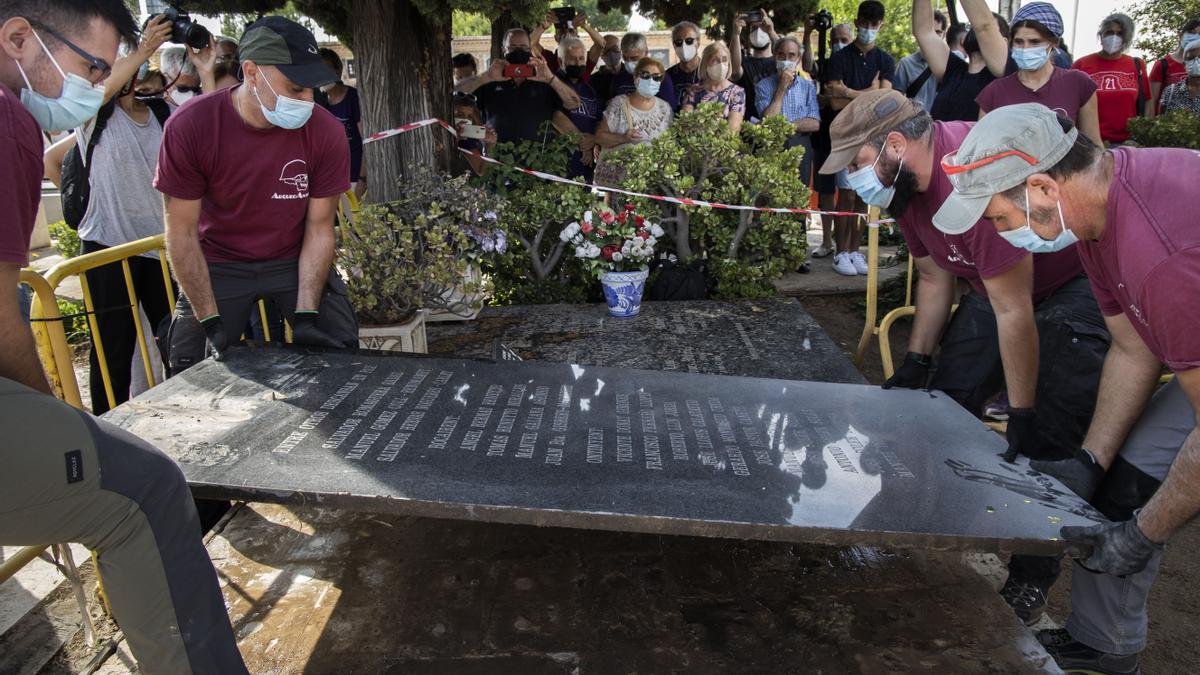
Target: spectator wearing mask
586 117
1171 68
517 108
214 65
118 495
854 71
465 67
1036 29
716 64
758 61
610 60
826 187
914 76
960 81
637 117
1185 95
792 96
1122 87
119 151
686 73
467 113
561 33
151 83
183 81
633 50
342 102
251 177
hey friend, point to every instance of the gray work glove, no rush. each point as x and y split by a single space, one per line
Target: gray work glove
306 332
1119 549
1082 473
214 330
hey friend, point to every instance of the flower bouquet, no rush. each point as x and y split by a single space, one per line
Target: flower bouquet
617 247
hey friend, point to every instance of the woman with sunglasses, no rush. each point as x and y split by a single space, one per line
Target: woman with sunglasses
717 88
633 118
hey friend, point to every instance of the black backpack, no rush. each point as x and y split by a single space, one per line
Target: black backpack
76 188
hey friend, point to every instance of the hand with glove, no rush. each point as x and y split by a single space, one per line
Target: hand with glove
306 332
912 374
1021 433
1082 473
1119 549
214 330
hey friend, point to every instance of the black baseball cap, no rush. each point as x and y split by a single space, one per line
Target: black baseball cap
290 47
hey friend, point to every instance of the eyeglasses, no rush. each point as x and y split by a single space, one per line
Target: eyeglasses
99 64
650 76
954 171
684 41
188 90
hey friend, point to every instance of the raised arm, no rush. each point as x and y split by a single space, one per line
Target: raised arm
987 31
52 159
735 48
593 55
933 48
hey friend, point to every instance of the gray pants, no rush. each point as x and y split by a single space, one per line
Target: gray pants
1108 613
69 477
237 288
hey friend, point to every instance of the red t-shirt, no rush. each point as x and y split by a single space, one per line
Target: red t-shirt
253 184
1116 92
979 253
21 173
1065 93
1176 72
1147 263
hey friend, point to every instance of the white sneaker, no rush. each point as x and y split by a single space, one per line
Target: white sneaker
822 251
859 261
843 265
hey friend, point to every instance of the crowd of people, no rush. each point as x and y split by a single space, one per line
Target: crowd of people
1005 165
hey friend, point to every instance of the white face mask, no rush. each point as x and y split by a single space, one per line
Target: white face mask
630 66
759 39
718 71
686 52
1111 44
180 97
1193 67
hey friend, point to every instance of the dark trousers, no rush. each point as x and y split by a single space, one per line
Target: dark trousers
118 334
1072 340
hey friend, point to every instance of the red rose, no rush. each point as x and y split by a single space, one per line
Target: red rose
639 220
621 218
629 207
601 233
607 217
586 228
644 234
606 253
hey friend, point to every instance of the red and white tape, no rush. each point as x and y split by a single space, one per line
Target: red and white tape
659 198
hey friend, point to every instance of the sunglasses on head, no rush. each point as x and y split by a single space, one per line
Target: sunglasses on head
684 41
651 76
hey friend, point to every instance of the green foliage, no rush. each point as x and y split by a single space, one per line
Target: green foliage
233 24
1158 23
896 35
1178 129
75 323
698 158
788 15
603 21
470 23
66 240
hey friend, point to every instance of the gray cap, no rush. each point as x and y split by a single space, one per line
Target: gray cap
1007 146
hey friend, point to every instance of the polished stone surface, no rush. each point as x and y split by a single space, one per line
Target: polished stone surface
601 448
754 338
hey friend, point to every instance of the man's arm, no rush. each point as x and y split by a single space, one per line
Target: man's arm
775 107
597 48
187 259
1127 382
993 45
769 23
1011 295
735 48
124 68
1177 500
52 159
494 73
535 37
19 360
933 48
316 253
1089 121
935 297
570 99
806 54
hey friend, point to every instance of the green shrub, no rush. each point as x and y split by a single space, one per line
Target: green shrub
75 322
66 240
1178 129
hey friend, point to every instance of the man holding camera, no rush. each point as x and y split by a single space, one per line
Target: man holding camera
251 178
758 63
520 93
69 477
566 23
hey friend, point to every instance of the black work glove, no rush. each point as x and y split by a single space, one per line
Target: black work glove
1022 439
1117 548
912 374
214 330
1082 473
306 332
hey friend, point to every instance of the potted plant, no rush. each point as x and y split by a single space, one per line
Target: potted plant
616 247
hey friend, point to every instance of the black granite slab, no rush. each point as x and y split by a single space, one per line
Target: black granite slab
601 448
759 338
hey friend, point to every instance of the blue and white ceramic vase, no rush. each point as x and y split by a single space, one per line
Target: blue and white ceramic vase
623 291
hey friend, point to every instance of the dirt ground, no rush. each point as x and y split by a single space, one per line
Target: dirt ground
1175 600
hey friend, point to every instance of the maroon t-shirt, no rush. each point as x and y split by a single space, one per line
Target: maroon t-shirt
979 253
1065 93
253 184
21 172
1147 263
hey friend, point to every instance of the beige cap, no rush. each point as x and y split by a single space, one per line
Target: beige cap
865 118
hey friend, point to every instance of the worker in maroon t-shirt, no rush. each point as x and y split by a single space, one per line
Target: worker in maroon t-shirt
68 477
251 177
1131 215
1029 322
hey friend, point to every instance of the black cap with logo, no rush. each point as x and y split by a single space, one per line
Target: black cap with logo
290 47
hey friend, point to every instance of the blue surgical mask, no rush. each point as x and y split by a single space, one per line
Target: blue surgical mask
836 47
868 185
77 103
867 36
1031 58
648 88
782 65
630 66
1026 238
289 113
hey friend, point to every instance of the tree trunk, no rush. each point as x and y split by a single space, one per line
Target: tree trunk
405 75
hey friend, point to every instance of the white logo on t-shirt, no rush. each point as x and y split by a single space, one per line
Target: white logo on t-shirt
295 174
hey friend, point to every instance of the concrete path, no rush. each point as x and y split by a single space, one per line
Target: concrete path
822 280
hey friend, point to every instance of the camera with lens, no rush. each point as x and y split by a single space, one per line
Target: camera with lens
822 21
184 31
